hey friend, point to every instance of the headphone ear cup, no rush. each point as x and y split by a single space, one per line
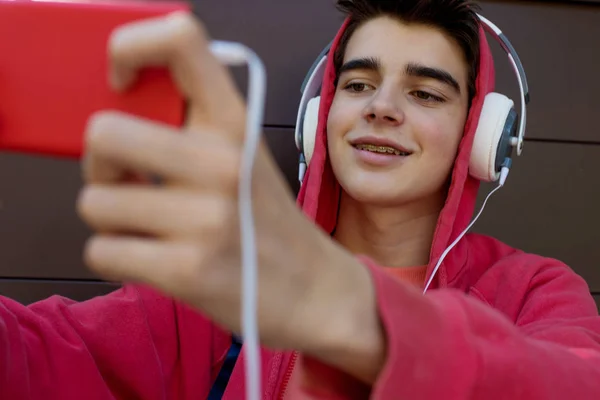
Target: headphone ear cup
309 128
490 130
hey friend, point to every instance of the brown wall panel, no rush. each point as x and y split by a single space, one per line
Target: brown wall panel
555 43
41 234
287 35
282 145
27 292
549 206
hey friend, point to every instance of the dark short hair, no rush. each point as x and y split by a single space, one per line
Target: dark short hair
455 18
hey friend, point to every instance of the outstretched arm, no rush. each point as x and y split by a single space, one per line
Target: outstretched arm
453 346
122 345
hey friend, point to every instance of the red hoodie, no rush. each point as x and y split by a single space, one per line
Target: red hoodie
498 324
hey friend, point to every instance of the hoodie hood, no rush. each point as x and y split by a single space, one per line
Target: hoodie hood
320 191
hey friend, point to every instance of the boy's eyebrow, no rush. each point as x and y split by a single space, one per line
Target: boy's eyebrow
412 69
364 63
423 71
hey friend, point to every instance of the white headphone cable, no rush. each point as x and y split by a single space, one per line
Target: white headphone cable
238 54
503 175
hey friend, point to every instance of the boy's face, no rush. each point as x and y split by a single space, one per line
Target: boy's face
398 113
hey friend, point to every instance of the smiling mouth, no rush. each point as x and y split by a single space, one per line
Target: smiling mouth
381 149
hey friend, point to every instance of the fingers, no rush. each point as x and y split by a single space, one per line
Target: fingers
151 211
179 42
116 143
170 266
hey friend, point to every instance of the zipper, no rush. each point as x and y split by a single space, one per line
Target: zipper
288 376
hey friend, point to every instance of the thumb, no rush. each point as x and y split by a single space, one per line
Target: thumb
179 42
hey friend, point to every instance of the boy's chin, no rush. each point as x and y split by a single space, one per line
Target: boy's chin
374 193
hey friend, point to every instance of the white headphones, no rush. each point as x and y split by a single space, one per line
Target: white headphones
497 132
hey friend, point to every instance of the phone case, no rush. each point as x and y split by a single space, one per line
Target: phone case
54 72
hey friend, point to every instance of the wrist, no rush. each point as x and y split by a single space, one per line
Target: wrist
331 313
349 335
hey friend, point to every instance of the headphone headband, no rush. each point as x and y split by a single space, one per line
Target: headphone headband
312 82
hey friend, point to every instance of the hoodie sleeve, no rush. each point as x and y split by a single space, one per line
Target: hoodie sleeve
453 346
121 346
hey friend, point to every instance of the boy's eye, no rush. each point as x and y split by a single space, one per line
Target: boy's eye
357 87
421 95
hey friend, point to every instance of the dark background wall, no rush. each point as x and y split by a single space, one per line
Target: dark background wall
549 205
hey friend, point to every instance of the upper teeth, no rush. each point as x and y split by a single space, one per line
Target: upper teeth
381 149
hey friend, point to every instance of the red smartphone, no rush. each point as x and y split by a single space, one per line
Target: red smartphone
54 72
